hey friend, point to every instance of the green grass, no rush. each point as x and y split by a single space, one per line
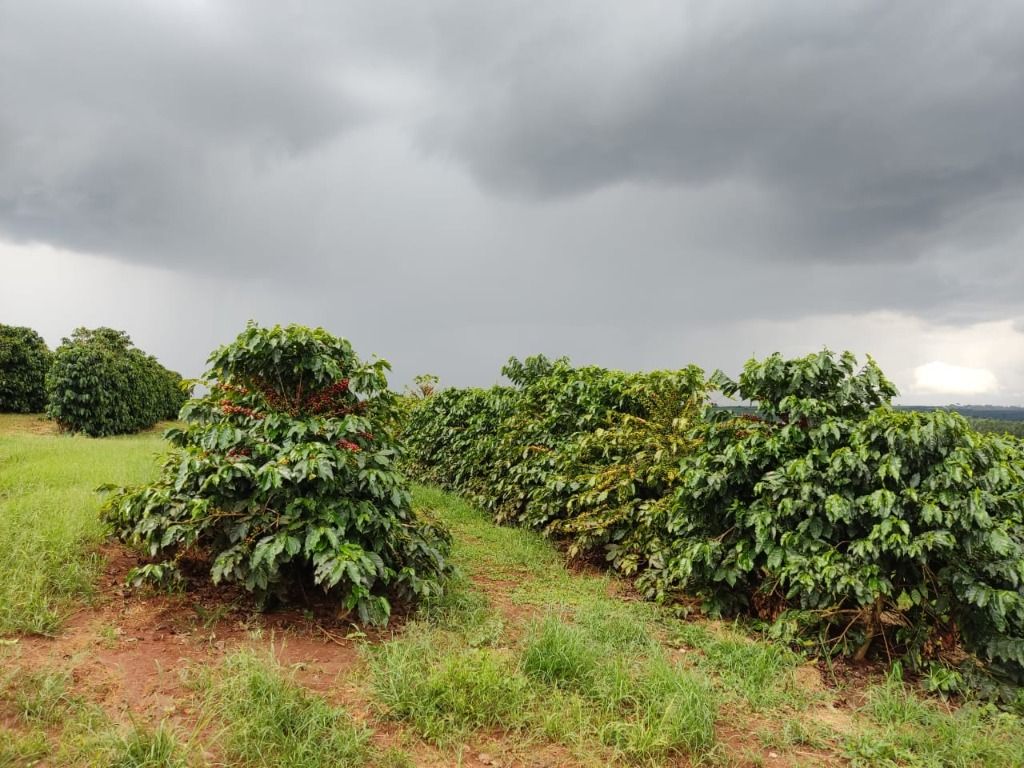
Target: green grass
672 712
561 654
760 673
48 518
56 723
270 720
40 698
905 730
615 696
485 549
18 749
446 690
141 747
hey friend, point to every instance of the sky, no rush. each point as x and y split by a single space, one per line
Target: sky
636 185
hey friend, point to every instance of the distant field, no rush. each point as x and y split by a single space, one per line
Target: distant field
988 412
1009 420
525 662
1001 413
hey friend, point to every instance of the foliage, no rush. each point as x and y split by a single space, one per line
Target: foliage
896 528
451 437
24 361
101 384
824 511
425 386
584 452
286 473
609 487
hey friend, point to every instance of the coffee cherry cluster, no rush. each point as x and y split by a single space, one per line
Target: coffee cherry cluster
330 400
230 409
224 386
348 445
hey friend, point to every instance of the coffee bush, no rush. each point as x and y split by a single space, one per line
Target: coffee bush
285 476
24 361
898 533
101 384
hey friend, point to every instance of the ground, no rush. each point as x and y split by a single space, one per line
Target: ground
525 662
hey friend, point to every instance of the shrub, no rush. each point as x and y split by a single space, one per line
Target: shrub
900 529
285 473
24 361
587 454
997 426
609 488
824 511
452 437
101 384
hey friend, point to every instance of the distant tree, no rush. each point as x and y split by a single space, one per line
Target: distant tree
998 426
100 384
425 386
24 361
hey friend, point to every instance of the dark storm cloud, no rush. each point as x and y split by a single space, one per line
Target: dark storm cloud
120 122
469 179
872 120
869 127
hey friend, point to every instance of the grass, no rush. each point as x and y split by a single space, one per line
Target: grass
581 667
57 724
560 654
905 730
616 696
48 517
758 672
270 720
445 691
22 749
142 747
673 711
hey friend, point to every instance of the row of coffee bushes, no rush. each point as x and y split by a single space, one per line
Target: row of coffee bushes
97 382
844 523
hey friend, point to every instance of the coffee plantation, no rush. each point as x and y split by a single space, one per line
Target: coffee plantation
24 361
284 475
840 522
818 510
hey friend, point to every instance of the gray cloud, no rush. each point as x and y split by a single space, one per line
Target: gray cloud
878 122
482 179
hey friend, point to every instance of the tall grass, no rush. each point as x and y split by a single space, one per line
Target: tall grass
906 730
445 693
270 720
49 523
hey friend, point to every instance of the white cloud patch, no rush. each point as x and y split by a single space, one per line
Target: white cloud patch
943 378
